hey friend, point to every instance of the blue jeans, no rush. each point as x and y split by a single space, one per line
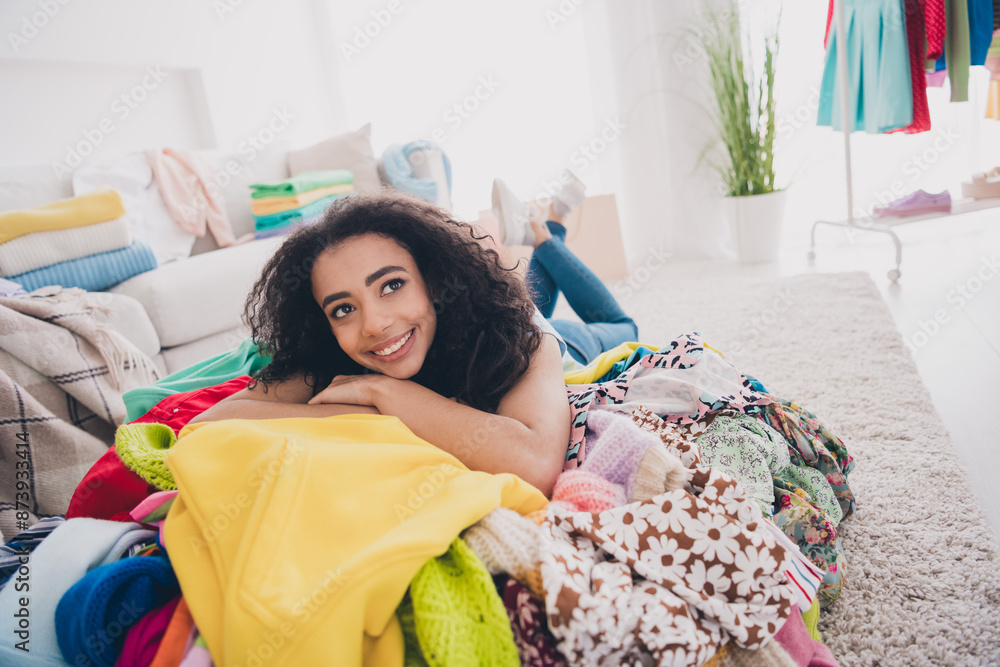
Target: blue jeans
605 325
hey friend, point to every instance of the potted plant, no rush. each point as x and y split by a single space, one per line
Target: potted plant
743 114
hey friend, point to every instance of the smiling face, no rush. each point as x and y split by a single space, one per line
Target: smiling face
377 304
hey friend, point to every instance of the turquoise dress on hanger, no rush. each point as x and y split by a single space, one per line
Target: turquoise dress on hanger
878 68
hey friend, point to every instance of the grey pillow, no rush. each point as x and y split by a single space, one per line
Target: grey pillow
352 150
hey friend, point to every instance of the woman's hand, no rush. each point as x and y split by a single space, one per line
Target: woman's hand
351 390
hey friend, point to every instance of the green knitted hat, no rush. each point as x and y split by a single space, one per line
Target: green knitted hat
459 617
143 448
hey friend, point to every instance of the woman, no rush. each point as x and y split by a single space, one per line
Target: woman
389 306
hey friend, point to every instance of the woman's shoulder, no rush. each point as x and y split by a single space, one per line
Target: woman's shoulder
293 389
547 327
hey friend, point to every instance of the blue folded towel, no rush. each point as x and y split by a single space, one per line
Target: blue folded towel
95 614
399 171
264 223
93 272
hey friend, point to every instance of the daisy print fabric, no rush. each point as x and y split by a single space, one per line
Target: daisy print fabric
665 581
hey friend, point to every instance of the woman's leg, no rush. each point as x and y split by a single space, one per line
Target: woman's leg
605 325
543 289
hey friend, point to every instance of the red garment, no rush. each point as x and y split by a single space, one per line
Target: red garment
143 639
915 40
937 26
932 20
110 489
177 410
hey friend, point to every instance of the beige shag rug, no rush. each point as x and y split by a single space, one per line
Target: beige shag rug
922 582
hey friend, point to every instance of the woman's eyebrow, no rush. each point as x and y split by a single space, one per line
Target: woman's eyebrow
381 272
333 297
368 283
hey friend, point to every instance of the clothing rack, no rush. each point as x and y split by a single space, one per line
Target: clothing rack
845 121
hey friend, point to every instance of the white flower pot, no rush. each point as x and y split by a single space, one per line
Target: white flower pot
756 222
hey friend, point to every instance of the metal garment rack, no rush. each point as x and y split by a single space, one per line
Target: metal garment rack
846 119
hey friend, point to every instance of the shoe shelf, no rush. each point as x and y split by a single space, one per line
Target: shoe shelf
886 225
958 207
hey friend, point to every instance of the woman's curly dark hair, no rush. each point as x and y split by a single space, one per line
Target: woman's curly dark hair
485 335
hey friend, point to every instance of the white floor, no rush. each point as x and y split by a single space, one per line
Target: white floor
947 304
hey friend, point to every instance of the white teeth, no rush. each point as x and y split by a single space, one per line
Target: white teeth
390 350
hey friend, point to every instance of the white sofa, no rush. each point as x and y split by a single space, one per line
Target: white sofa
190 309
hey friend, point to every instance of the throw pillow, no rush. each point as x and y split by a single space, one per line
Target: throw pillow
352 150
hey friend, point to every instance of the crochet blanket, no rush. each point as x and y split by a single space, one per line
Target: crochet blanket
62 373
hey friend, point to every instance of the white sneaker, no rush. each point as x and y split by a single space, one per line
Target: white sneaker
513 216
570 195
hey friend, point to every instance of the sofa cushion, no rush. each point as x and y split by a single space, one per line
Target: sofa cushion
129 318
189 354
352 150
201 295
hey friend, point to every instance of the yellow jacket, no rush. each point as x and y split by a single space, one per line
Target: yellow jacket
295 539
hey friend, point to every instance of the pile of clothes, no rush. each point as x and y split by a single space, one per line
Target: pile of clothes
349 540
83 242
300 200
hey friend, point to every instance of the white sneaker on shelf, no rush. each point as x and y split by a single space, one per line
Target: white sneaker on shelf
513 216
569 196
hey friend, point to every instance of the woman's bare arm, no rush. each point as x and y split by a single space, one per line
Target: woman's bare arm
281 399
527 437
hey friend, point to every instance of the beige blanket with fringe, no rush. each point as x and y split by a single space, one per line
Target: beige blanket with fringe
62 374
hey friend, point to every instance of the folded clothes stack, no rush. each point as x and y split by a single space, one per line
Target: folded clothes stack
301 200
83 242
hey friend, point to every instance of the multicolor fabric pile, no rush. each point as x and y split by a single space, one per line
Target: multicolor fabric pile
662 543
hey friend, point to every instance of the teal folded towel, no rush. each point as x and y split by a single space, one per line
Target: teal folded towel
304 182
265 223
94 272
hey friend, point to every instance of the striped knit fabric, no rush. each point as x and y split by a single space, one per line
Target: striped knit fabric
94 272
41 249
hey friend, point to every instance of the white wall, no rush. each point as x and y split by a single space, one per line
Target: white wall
502 87
257 60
